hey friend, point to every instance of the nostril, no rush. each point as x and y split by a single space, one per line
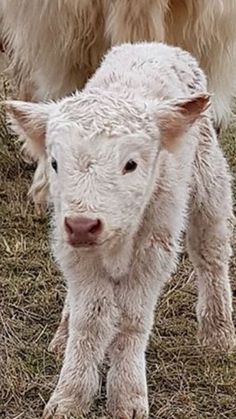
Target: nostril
68 227
96 227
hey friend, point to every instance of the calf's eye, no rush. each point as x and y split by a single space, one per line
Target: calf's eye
130 166
54 164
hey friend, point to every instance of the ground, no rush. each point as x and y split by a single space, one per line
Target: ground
185 381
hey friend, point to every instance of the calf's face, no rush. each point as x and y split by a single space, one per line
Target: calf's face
102 154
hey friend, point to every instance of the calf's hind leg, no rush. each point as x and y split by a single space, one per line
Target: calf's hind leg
208 241
58 343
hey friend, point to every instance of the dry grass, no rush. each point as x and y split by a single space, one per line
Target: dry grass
185 382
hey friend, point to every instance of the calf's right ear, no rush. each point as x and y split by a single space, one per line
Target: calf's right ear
30 120
176 116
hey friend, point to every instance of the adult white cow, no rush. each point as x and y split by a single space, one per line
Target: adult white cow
55 46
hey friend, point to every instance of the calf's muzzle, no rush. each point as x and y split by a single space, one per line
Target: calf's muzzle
82 230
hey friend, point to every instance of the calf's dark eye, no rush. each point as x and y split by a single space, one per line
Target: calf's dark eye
130 166
54 164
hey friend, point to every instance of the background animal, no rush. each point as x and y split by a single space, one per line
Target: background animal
55 46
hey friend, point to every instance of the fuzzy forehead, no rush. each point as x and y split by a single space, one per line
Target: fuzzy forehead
98 114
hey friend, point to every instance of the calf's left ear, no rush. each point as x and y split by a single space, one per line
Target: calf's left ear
175 117
30 120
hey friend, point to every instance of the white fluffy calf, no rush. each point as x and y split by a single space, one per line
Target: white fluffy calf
134 162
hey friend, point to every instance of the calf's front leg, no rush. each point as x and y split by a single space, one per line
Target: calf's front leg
91 328
126 382
127 395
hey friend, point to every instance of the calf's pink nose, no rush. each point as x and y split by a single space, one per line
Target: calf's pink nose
82 230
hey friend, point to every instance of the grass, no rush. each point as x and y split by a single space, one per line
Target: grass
185 381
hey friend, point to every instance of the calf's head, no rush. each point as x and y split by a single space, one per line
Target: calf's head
102 154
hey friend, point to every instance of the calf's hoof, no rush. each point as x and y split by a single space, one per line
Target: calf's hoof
129 408
48 414
217 336
134 414
59 341
56 409
58 344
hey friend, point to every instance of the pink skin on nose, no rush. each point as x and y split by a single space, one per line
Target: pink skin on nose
82 230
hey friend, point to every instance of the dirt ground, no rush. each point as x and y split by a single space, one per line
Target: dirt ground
185 381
